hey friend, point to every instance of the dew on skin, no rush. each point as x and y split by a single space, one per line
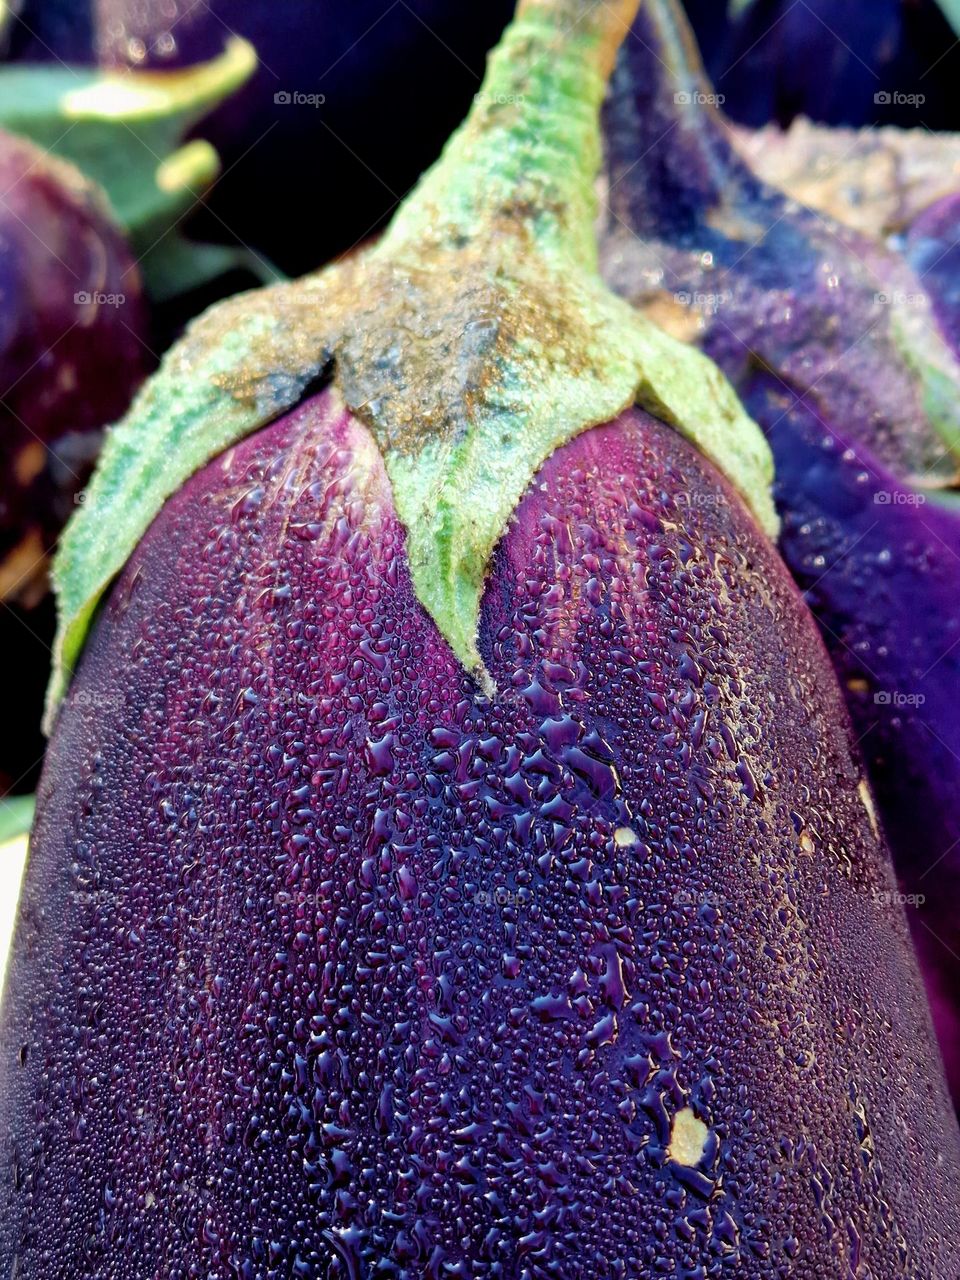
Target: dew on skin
428 984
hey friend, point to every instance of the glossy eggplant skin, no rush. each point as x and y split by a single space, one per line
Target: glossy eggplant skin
788 307
72 348
328 965
878 564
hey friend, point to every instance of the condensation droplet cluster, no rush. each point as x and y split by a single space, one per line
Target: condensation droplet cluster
331 966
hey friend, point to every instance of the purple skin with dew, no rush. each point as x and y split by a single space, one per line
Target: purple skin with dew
851 532
72 348
787 303
328 965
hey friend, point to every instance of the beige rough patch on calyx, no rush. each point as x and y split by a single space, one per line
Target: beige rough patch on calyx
875 180
680 321
688 1138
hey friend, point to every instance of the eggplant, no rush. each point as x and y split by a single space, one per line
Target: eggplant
897 184
330 966
452 856
74 345
126 131
808 320
73 349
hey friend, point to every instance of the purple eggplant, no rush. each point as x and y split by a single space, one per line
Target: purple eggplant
452 856
330 966
808 318
891 183
72 350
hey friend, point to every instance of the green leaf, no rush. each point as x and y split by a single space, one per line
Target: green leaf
124 130
951 11
474 339
924 351
16 816
175 266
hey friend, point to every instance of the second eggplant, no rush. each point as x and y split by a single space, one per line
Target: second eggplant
832 343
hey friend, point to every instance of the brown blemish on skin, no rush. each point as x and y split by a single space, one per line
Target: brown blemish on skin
680 321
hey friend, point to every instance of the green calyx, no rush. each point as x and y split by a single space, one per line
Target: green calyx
917 337
124 129
16 818
951 11
473 339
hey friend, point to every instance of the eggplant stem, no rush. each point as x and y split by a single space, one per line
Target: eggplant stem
524 162
608 22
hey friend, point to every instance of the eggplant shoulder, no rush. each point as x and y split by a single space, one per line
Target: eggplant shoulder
328 964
